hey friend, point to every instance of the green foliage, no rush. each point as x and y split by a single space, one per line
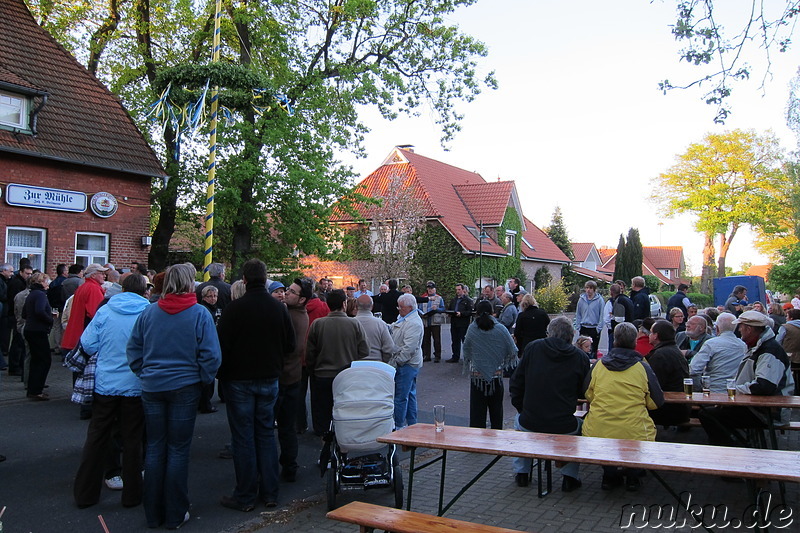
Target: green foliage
727 181
785 275
355 244
557 231
542 277
652 283
552 298
633 252
620 265
437 257
700 300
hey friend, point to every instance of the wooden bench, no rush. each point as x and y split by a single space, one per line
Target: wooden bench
695 423
370 517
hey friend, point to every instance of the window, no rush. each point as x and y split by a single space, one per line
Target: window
13 110
666 273
91 248
511 239
25 242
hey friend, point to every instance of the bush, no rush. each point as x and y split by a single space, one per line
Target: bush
652 283
552 299
699 299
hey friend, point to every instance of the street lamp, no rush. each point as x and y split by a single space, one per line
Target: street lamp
481 237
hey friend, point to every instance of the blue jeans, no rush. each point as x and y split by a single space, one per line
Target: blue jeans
523 464
251 405
405 396
169 424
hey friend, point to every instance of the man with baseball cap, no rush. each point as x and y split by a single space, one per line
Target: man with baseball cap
432 309
764 371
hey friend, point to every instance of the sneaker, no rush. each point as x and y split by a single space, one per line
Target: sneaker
569 483
452 361
114 483
185 519
522 479
270 504
611 482
231 503
289 475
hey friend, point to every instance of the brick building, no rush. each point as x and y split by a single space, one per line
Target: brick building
75 171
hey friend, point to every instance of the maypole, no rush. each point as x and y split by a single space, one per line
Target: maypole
212 153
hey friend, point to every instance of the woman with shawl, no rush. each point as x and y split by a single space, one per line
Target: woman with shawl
487 351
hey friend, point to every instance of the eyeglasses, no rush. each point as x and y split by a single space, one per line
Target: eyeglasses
289 289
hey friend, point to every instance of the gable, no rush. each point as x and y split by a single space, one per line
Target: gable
77 119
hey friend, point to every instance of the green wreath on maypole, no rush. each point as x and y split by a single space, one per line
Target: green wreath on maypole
182 105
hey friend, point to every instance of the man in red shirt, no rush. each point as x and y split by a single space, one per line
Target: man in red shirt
84 304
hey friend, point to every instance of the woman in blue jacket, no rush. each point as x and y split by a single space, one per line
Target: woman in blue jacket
174 349
117 396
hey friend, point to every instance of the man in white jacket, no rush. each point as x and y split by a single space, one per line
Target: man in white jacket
407 359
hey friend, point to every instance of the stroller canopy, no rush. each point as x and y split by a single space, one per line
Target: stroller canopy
363 407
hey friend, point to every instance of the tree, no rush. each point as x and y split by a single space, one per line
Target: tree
324 59
393 227
727 181
784 276
765 25
557 232
542 277
633 251
621 270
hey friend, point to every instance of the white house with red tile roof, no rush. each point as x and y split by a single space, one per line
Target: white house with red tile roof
463 203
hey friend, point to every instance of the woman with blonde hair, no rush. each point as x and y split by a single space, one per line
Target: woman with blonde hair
174 349
531 323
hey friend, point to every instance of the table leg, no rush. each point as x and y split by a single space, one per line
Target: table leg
441 481
680 500
410 479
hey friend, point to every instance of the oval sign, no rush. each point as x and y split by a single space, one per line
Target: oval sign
103 204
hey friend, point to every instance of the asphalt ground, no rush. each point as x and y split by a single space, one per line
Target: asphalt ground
43 440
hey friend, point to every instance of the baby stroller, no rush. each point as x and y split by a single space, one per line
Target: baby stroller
363 410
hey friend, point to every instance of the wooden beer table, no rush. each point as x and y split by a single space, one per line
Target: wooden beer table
746 463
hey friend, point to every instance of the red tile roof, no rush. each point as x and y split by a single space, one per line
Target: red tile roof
542 248
664 256
581 250
486 202
592 274
82 122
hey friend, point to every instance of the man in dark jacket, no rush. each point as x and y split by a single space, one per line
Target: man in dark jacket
621 310
679 300
545 389
388 301
461 307
216 272
671 368
16 353
640 296
255 335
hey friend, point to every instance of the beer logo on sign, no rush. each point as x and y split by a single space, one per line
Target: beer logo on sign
103 205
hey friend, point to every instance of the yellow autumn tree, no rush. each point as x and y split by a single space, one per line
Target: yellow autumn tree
727 181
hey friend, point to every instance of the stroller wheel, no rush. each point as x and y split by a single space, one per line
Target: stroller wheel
397 474
331 483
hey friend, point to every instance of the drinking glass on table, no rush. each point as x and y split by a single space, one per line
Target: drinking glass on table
706 383
438 417
731 386
688 386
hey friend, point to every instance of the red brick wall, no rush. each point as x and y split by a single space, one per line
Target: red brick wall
125 229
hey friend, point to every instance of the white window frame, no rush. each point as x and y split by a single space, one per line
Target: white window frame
512 248
26 251
91 254
666 272
23 112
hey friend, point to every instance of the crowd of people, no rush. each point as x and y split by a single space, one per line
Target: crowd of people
147 348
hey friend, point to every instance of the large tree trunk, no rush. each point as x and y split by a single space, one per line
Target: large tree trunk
708 264
724 246
167 200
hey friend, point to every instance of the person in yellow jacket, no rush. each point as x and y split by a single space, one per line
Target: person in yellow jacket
622 388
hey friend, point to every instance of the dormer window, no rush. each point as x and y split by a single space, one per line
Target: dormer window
14 110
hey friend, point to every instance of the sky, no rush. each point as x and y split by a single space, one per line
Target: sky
578 120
